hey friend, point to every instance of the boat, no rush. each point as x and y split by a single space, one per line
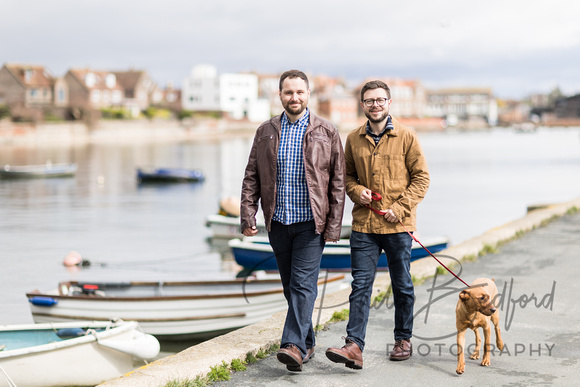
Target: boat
72 354
38 171
171 310
255 253
228 227
168 175
226 223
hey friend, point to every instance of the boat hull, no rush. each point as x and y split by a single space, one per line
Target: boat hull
37 171
171 311
87 360
168 175
257 254
228 227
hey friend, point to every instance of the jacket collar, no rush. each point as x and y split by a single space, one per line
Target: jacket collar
362 131
314 121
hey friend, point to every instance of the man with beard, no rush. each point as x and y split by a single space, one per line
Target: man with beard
386 177
296 170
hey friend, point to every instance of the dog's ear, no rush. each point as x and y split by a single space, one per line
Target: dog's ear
464 295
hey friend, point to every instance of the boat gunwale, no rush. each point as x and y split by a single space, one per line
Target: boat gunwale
160 298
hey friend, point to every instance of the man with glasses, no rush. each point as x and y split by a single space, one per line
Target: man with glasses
296 172
386 178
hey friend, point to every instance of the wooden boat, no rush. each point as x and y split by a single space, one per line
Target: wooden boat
170 310
229 227
36 171
72 354
168 175
255 253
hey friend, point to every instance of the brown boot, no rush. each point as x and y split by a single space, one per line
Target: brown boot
402 351
291 356
350 355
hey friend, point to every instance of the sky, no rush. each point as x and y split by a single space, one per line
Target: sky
514 47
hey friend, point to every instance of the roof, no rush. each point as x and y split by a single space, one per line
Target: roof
30 75
98 79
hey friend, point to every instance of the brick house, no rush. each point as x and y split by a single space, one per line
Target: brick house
26 89
92 89
138 89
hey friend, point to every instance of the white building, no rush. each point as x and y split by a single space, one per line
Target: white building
234 94
462 105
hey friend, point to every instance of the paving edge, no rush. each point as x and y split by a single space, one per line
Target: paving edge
197 361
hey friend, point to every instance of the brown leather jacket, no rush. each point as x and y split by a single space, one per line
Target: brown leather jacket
324 168
396 168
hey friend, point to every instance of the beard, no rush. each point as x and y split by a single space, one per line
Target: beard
295 110
381 118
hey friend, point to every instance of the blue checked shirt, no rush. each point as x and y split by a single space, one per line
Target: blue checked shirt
292 199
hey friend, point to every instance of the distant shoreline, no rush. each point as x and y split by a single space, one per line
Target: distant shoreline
67 133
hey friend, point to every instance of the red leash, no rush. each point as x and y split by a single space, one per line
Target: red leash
377 197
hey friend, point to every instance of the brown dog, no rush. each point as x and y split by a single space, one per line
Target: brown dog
474 310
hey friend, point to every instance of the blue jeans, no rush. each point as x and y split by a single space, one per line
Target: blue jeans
298 251
365 251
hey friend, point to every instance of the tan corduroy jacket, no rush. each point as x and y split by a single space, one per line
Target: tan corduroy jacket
395 168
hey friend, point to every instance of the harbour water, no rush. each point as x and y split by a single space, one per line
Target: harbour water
132 231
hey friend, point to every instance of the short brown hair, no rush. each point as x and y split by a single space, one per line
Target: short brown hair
293 74
374 85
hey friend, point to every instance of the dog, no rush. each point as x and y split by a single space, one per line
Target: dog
474 310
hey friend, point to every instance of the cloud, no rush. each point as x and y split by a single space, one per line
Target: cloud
512 46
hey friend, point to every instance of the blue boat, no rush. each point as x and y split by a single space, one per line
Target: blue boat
169 175
255 253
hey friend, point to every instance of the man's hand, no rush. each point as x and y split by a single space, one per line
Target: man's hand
365 196
390 216
330 240
250 231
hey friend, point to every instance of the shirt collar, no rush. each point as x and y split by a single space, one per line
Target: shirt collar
388 126
301 121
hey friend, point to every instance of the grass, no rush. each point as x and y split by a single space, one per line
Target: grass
336 317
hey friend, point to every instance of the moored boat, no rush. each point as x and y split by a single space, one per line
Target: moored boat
37 171
255 253
170 310
72 354
228 227
168 175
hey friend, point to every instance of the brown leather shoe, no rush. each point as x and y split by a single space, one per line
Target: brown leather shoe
402 351
291 356
350 354
309 355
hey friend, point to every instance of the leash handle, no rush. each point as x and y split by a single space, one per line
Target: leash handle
376 196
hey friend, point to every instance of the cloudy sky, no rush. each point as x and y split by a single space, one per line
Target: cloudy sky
516 47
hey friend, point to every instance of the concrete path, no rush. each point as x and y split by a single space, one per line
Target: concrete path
539 277
537 274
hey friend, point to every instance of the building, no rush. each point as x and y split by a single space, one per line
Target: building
138 89
88 89
168 98
466 107
234 95
333 100
27 90
568 107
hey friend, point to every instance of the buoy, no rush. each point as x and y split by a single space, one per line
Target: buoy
230 206
72 259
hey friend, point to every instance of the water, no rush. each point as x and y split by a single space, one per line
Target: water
157 232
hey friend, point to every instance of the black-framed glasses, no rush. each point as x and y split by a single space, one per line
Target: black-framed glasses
379 101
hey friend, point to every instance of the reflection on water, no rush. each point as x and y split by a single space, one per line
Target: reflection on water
133 231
